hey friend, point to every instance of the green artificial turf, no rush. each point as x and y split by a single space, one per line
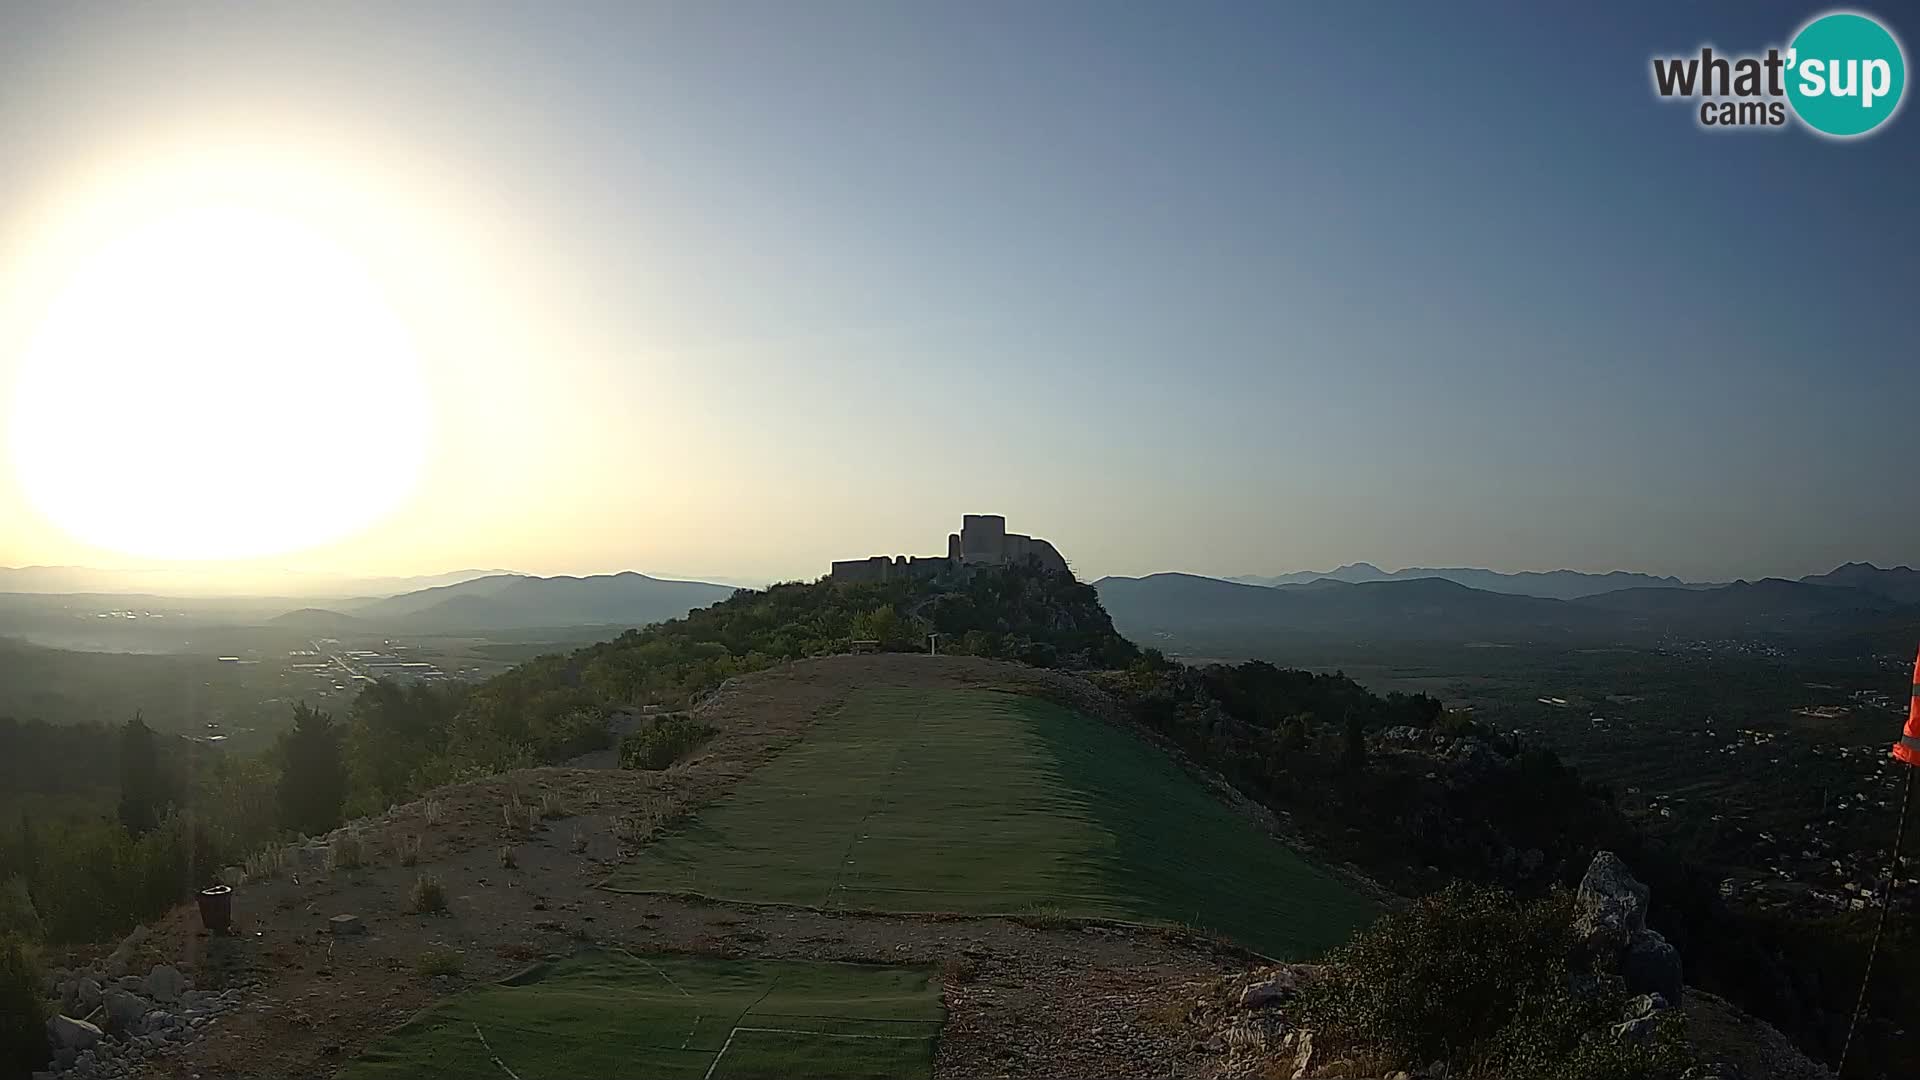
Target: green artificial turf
614 1016
983 802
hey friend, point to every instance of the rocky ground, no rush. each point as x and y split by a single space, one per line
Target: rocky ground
517 860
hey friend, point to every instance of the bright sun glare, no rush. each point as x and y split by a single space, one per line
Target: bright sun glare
221 383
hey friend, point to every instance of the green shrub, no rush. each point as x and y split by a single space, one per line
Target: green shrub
23 1014
665 740
439 961
1488 984
17 914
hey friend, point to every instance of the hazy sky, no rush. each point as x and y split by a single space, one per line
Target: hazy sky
738 289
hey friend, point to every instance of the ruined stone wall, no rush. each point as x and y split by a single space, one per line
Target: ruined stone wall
983 538
1044 553
861 570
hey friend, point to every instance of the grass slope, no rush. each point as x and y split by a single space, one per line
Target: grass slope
983 802
616 1016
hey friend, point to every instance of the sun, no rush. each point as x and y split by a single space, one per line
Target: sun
219 383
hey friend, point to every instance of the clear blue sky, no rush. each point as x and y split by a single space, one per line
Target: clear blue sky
1230 288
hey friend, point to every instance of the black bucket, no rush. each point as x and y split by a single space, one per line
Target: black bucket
216 908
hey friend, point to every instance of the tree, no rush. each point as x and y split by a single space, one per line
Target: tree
1353 754
142 795
23 1014
313 774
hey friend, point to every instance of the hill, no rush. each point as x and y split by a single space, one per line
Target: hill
1209 614
317 621
1430 609
508 602
1772 604
1549 584
1900 584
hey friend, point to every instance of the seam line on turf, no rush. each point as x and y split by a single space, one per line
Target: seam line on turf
764 994
491 1056
657 971
829 1034
853 839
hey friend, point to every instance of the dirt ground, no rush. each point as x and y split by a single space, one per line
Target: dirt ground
1025 1000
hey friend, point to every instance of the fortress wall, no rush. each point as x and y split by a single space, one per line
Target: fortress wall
983 540
1018 546
1047 556
862 570
984 536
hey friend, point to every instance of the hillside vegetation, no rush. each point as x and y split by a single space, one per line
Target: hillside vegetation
83 873
554 707
1448 802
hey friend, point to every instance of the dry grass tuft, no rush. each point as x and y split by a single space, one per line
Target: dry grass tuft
409 850
428 895
519 815
646 824
434 811
268 863
508 860
347 852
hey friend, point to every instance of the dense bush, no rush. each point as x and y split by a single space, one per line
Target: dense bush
18 917
313 773
663 741
23 1012
76 876
1490 985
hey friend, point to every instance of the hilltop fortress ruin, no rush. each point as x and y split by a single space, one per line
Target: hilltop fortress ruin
983 541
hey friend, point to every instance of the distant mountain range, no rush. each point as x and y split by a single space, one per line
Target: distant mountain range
1440 609
201 584
1553 584
1901 583
513 602
1420 608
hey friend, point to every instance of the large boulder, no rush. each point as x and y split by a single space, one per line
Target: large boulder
125 1011
1610 918
66 1033
165 983
1651 965
1278 985
122 956
1611 904
86 993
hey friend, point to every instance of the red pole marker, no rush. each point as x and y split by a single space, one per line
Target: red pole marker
1907 750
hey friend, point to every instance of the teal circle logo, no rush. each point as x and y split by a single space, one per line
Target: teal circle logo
1845 74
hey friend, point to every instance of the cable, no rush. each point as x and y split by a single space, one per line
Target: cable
1886 905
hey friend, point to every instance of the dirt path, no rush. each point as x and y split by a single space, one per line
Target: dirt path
1042 1000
